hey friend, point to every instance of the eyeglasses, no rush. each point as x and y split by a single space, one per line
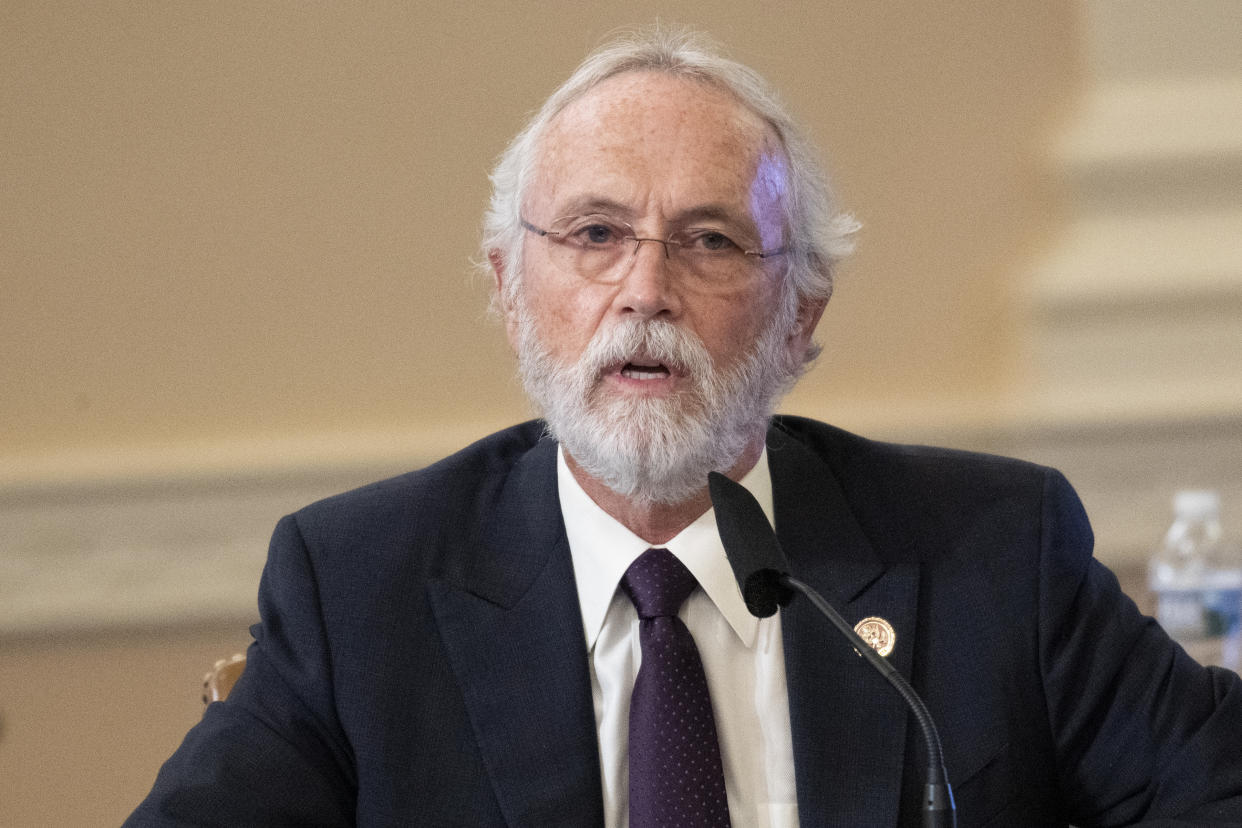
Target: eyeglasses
594 246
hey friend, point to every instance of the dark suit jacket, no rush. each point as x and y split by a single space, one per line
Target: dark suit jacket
421 657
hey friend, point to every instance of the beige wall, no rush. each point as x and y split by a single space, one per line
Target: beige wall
243 231
241 222
86 720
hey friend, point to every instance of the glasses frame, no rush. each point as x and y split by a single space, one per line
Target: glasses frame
638 240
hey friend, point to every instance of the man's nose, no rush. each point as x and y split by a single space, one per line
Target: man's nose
648 286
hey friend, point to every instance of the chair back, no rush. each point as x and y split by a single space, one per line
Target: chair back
221 678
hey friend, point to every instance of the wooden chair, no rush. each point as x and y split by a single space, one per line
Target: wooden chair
221 678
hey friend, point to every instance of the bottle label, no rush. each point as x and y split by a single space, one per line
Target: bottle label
1194 614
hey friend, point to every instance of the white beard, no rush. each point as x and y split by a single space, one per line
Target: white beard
657 450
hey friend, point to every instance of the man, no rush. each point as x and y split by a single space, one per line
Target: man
463 645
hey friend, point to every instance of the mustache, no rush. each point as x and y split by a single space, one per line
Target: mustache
651 339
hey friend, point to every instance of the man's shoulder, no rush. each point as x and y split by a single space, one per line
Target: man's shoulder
912 501
850 455
452 485
887 482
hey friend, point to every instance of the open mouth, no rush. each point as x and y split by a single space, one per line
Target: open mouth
645 371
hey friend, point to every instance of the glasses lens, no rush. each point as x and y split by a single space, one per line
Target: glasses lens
591 245
713 256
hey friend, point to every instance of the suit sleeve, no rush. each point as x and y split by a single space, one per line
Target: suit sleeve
1143 733
273 752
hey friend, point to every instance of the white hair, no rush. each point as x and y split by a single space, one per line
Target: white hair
817 234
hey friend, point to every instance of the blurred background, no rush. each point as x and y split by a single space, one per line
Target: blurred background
236 245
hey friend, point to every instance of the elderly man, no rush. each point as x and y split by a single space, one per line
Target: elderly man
543 628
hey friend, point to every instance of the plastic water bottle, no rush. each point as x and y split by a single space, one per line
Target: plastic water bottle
1197 578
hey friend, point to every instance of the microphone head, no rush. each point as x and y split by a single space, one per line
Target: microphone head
750 545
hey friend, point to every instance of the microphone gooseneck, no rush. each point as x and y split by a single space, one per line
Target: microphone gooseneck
759 566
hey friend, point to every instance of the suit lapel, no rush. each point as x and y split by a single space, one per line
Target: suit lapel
513 631
511 625
849 725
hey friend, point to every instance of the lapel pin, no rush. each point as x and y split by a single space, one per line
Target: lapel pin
878 634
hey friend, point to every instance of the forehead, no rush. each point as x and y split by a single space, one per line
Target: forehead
657 143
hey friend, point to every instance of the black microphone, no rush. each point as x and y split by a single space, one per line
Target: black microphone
761 571
750 545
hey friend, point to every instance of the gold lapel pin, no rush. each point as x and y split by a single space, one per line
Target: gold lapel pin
878 634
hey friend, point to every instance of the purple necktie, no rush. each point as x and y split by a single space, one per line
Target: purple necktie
676 778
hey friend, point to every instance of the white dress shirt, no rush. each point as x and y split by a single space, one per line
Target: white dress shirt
743 656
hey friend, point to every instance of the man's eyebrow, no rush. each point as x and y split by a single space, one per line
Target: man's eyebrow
713 213
593 203
590 203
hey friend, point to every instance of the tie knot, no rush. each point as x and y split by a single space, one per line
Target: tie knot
657 583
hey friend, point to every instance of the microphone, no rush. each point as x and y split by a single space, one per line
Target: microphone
762 573
750 545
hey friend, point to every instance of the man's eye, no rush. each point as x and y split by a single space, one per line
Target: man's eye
593 233
597 234
712 241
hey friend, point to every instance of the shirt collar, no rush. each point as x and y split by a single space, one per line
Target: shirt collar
602 549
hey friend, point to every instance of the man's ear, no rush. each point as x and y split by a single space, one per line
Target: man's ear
809 312
498 269
800 343
497 261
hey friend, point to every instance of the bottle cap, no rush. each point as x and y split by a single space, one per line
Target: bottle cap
1196 503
